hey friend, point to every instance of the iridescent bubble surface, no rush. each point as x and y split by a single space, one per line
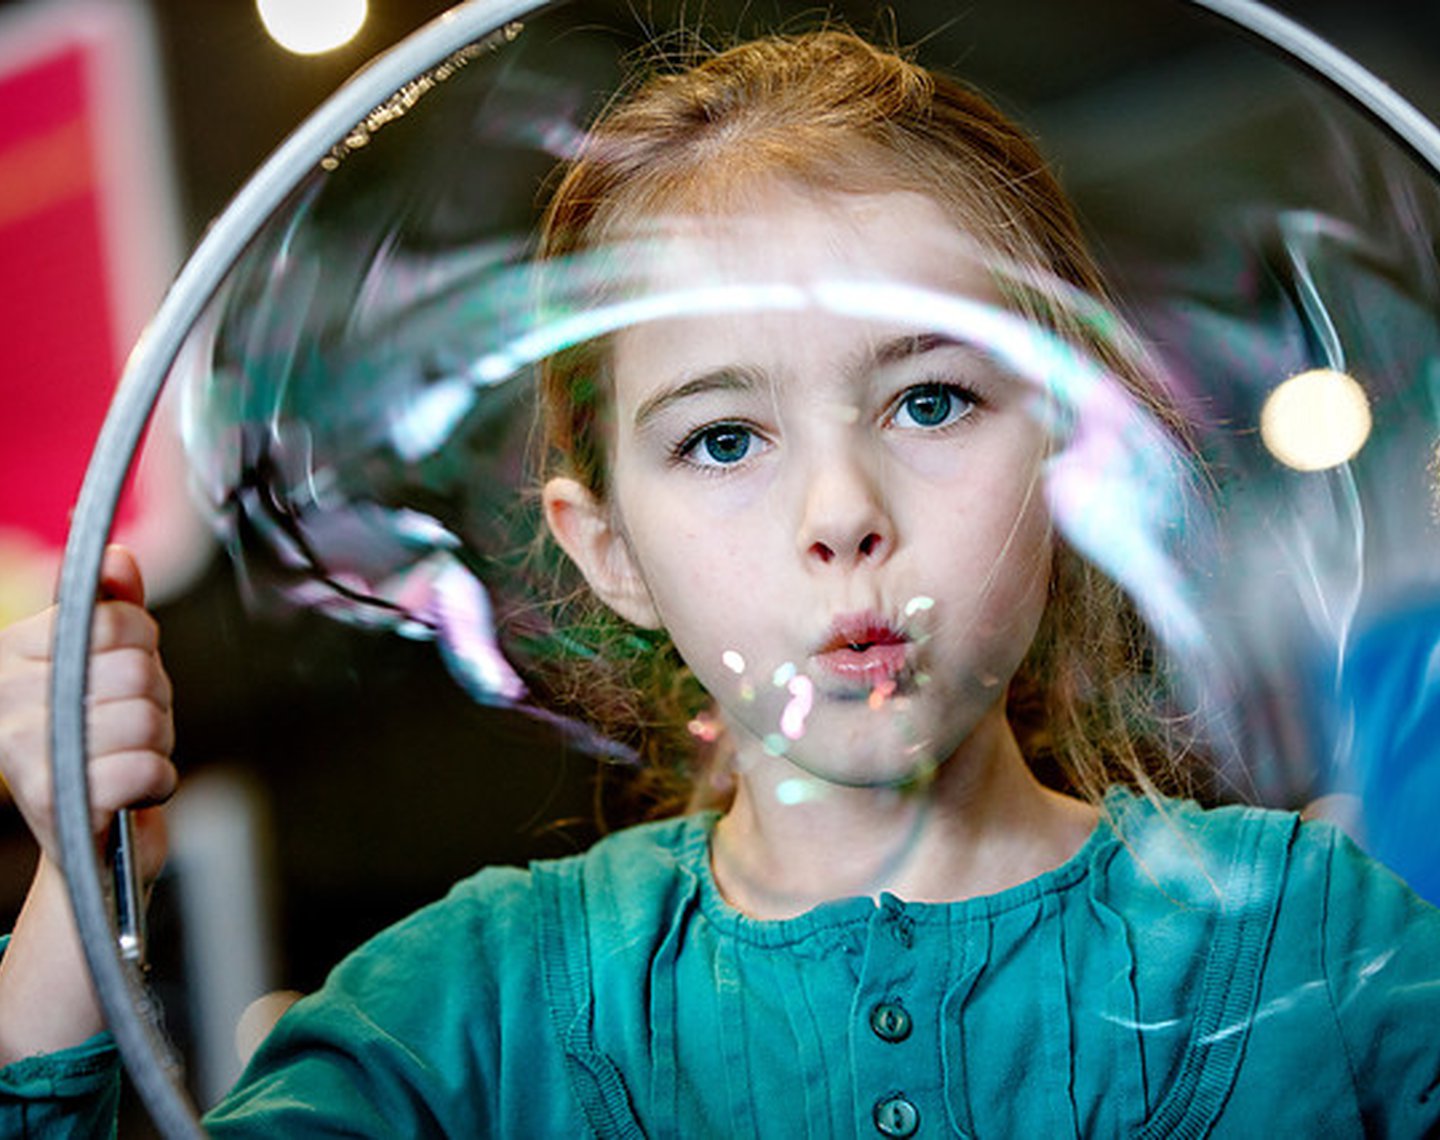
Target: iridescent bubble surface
360 408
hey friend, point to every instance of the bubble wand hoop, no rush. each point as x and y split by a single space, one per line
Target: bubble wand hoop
114 952
364 104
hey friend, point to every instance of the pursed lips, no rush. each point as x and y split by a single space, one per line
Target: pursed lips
865 648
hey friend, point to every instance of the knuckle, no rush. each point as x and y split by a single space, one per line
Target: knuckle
104 626
129 672
132 779
141 627
119 624
164 687
146 722
167 779
124 725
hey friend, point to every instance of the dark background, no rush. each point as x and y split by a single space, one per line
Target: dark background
372 754
377 770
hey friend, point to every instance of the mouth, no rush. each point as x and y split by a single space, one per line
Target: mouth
866 650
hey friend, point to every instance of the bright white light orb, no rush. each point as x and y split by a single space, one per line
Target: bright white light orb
308 27
1316 420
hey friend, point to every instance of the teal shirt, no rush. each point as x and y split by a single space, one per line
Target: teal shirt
1186 973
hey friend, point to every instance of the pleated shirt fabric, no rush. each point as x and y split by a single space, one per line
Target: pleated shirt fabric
1187 973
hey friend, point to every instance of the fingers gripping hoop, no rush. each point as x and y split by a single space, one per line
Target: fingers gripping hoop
128 1007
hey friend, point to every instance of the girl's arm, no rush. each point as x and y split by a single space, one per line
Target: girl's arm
47 1002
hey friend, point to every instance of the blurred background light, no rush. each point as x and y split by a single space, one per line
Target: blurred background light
1316 420
1177 140
309 27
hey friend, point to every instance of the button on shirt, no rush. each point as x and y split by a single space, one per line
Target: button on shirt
1159 974
890 1021
1186 973
876 1015
896 1116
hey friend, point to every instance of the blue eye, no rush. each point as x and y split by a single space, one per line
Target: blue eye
932 405
718 446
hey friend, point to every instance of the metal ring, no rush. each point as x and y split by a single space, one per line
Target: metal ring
128 1008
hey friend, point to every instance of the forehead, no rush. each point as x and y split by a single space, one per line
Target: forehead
779 233
740 288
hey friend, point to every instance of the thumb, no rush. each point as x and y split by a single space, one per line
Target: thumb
120 578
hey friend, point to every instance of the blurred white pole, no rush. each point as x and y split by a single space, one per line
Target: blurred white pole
220 858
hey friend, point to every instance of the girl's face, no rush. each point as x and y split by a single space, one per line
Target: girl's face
839 521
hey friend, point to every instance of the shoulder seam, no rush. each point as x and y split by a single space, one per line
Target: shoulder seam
1234 970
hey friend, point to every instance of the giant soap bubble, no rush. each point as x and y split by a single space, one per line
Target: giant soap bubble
356 344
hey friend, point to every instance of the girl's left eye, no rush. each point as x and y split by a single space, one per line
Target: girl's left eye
932 405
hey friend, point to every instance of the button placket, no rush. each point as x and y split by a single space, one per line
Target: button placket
900 924
892 1077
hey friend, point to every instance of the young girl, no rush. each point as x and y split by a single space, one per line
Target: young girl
889 925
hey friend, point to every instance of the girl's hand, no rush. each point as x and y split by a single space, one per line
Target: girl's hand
131 729
47 1001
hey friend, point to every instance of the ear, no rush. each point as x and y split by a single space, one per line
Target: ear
586 532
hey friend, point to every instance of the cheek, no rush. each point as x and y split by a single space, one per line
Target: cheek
1028 558
999 548
989 519
692 570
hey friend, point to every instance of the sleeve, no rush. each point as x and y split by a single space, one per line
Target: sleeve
405 1038
1381 947
69 1094
380 1050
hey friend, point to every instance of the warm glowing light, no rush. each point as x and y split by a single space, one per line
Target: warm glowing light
1316 420
308 27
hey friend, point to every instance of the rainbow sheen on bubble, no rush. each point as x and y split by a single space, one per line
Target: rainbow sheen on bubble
360 401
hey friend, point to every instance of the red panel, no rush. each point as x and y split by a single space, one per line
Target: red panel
58 364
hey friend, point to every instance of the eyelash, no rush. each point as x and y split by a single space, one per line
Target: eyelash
968 398
683 453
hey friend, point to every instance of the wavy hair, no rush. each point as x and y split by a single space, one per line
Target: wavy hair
830 111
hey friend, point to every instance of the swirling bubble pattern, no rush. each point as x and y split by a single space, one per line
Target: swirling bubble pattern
360 413
381 476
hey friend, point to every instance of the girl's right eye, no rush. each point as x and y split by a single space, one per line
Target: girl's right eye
719 445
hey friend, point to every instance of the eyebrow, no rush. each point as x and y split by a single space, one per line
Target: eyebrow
720 380
887 354
902 348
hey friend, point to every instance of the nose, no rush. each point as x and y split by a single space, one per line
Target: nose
845 520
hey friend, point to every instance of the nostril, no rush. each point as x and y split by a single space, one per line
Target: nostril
869 544
821 551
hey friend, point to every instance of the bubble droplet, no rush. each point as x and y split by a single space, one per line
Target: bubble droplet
880 694
798 791
802 699
704 727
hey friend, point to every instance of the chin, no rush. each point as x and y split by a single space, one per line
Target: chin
902 765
